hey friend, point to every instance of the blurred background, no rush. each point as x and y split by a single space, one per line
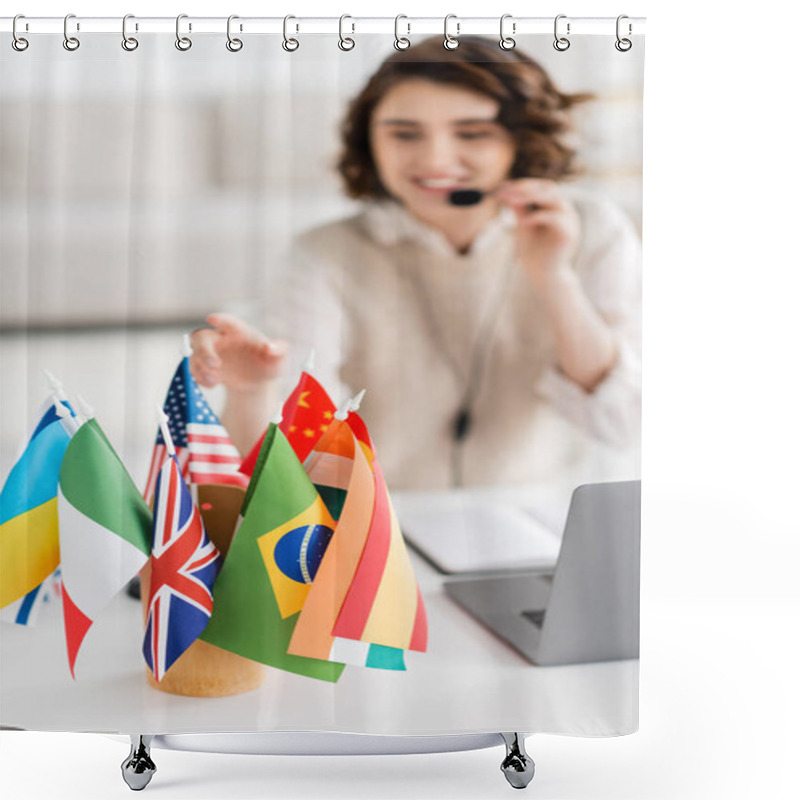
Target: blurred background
140 191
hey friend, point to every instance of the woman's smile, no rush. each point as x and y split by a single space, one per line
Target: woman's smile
430 139
439 185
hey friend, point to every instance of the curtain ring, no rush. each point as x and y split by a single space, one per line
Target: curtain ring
183 43
507 42
129 43
561 43
70 42
451 42
18 42
345 42
401 42
233 45
623 45
289 45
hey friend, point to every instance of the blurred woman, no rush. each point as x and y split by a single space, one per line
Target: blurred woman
490 311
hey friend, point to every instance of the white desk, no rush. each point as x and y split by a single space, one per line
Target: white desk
469 681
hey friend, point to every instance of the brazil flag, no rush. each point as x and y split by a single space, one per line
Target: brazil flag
271 559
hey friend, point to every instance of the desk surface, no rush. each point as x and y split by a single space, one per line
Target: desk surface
469 681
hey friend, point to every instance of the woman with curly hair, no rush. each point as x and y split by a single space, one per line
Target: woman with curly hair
490 310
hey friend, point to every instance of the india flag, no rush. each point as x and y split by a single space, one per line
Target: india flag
330 465
105 531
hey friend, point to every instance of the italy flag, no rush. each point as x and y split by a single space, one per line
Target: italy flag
105 531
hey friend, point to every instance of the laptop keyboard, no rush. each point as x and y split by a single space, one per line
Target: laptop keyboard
536 617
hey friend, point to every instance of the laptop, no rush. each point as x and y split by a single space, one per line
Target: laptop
588 608
469 531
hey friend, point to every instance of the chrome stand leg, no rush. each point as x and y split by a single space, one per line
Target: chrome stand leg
518 766
138 768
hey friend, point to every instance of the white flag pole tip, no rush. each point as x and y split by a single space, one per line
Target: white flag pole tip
308 364
187 351
55 385
276 418
163 421
343 410
84 408
62 410
355 403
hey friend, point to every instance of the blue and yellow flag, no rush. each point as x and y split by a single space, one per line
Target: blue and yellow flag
29 550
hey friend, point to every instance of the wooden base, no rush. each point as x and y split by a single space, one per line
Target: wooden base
208 671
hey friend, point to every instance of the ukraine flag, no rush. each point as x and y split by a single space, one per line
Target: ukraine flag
29 550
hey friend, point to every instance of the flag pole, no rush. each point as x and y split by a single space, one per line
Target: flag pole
308 364
56 386
355 403
69 422
163 421
342 411
84 408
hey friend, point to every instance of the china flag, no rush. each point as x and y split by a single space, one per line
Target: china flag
306 413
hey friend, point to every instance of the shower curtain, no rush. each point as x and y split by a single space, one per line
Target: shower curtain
448 224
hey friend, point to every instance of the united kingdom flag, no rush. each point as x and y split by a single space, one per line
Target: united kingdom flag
184 565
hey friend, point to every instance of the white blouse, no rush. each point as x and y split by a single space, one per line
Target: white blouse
389 306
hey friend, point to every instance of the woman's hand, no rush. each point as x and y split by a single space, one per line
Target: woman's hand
548 226
235 354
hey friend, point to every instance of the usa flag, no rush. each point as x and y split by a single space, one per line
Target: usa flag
204 450
184 565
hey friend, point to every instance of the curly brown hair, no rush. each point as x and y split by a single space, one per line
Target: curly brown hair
532 109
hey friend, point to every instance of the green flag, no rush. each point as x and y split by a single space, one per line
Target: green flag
258 579
105 530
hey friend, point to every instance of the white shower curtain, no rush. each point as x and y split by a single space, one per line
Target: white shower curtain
499 352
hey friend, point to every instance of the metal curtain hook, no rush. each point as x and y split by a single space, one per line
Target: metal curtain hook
129 43
623 45
451 42
70 42
507 42
401 42
289 44
234 45
182 42
18 42
561 43
345 42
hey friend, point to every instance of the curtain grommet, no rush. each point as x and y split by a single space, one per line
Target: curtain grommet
71 43
561 43
346 43
623 44
507 42
401 42
19 43
289 44
233 44
183 43
451 42
129 43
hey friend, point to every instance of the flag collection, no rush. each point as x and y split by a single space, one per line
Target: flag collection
316 576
